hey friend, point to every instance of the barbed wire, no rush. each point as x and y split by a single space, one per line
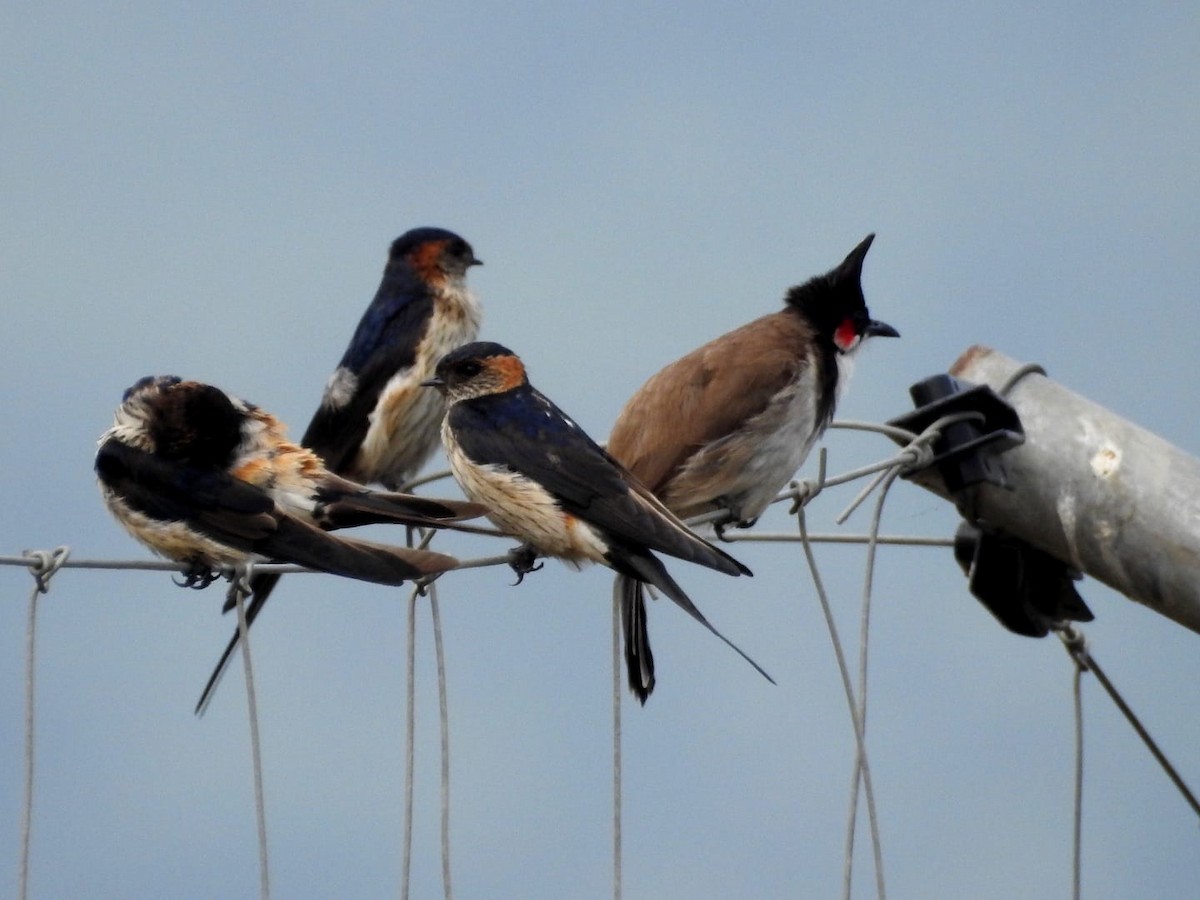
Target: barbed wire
883 474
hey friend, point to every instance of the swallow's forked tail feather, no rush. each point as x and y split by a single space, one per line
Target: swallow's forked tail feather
349 508
639 661
218 672
363 560
351 558
650 569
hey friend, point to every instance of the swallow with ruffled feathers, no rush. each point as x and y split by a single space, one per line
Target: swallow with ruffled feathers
548 484
375 422
209 480
728 425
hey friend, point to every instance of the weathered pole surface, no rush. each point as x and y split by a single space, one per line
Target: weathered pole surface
1110 498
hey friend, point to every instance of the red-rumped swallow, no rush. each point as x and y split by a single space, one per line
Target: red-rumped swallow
210 481
729 424
375 422
548 484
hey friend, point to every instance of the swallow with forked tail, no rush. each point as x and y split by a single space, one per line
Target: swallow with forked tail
548 484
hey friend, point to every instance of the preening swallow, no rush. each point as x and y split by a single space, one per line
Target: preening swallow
375 422
728 425
209 480
548 484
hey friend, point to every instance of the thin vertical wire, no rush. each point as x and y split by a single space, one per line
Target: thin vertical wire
863 651
42 564
27 809
1077 854
616 716
409 749
848 687
444 717
240 590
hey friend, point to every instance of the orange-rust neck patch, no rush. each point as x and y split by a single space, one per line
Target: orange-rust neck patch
509 370
425 260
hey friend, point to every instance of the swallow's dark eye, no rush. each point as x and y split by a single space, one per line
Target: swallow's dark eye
469 369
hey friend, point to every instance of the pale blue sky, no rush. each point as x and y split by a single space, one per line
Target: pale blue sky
210 191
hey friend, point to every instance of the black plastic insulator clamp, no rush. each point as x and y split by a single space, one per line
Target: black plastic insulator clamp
965 453
1027 590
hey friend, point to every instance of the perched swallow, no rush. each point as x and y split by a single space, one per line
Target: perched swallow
209 480
728 425
375 422
548 484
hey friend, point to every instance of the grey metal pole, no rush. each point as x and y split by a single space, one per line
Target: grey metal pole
1115 501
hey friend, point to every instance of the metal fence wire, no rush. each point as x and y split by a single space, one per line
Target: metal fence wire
877 479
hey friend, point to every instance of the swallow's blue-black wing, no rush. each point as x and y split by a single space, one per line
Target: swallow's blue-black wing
384 343
214 503
244 517
524 430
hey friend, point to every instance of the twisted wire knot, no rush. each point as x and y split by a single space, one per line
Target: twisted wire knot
915 456
803 491
1075 643
44 563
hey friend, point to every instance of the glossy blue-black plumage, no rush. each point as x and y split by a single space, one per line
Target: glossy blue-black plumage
385 342
525 412
209 499
513 447
402 304
524 431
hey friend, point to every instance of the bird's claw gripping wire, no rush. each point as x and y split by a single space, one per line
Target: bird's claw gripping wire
804 491
197 576
523 560
722 524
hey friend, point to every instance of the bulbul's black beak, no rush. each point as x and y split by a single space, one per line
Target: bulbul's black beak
879 329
